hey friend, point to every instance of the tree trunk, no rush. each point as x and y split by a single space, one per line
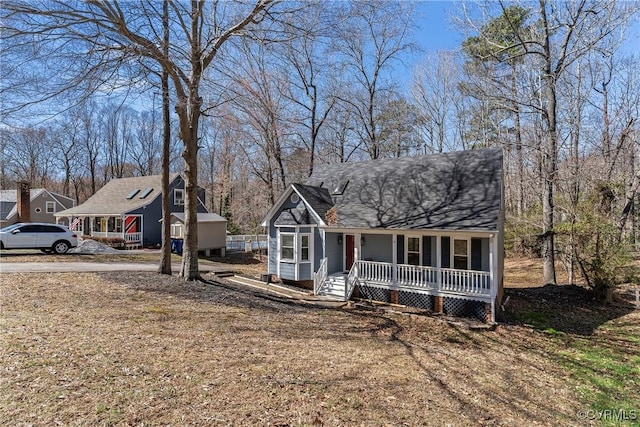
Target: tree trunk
165 254
189 269
628 205
550 156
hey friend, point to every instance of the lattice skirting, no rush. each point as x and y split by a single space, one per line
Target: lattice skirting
415 299
374 293
452 306
465 308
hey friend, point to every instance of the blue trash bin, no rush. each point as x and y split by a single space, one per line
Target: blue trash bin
176 246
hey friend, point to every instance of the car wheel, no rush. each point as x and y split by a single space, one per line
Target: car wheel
60 247
46 251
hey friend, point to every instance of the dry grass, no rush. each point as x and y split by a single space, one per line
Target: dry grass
521 272
138 348
124 256
248 264
143 349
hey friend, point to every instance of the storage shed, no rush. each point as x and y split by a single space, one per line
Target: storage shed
212 231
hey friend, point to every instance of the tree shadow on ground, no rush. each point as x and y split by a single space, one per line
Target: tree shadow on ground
213 290
563 308
239 258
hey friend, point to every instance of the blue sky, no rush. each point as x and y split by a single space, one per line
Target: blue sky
434 31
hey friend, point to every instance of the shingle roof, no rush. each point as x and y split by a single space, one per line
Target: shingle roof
112 198
318 198
9 200
6 208
202 217
451 191
12 195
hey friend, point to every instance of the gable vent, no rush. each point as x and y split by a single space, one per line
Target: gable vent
339 190
133 194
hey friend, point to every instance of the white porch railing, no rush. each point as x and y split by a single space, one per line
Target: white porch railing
375 271
128 237
465 282
320 277
106 234
352 280
133 237
414 276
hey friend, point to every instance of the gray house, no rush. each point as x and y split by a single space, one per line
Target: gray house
129 208
423 231
41 206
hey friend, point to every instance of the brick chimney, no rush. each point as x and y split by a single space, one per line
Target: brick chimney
24 201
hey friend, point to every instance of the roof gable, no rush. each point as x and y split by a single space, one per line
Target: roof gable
113 198
9 200
451 191
312 207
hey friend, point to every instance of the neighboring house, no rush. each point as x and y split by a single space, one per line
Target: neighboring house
212 231
423 231
42 206
129 208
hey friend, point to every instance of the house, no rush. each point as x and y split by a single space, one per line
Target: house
212 231
424 231
39 206
129 208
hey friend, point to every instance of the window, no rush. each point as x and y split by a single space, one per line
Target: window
117 227
178 196
339 190
461 254
30 229
287 242
133 193
414 250
51 229
304 247
176 230
146 192
38 210
294 198
51 207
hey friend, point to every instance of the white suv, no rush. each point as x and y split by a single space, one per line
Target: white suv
46 237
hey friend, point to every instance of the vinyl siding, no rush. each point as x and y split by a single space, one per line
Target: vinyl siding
377 247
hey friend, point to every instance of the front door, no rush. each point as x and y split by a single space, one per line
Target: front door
349 249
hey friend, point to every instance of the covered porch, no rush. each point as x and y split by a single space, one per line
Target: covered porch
400 267
126 227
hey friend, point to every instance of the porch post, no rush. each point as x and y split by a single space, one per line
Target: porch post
91 220
493 251
438 262
438 300
355 257
394 260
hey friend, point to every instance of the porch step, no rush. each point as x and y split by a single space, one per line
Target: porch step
224 273
333 287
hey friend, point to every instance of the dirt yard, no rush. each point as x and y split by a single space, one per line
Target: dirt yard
143 349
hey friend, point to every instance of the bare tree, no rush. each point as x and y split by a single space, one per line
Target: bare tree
556 38
115 35
435 91
370 38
